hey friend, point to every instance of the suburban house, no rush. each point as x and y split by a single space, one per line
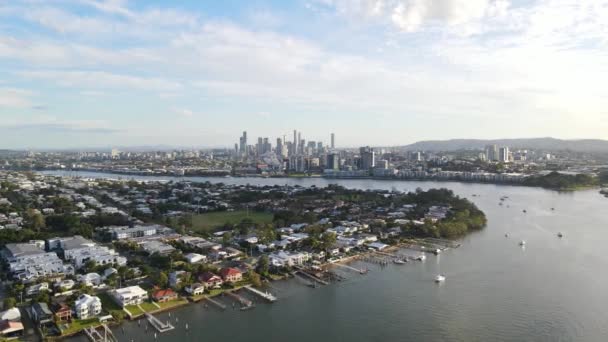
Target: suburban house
11 330
87 306
231 275
210 280
166 295
193 258
63 313
13 315
41 314
131 295
282 258
90 279
177 277
36 289
195 289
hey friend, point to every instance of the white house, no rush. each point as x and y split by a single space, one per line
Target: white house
194 258
87 306
195 289
90 279
282 258
131 295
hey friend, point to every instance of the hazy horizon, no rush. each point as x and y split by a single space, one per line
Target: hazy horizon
97 73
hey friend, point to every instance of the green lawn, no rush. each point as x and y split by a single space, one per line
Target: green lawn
215 292
107 303
170 304
134 310
214 220
148 306
77 325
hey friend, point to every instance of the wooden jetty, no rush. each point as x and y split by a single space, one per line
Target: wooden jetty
244 301
94 335
216 303
266 295
158 325
443 242
301 272
358 270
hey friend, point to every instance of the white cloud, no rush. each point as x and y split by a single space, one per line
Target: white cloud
55 125
460 16
14 98
183 112
459 59
102 79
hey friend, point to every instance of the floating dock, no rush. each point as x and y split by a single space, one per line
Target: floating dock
266 295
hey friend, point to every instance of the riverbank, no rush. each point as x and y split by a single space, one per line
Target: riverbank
329 180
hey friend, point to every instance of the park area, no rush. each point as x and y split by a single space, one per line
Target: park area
210 222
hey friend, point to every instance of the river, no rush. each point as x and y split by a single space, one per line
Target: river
551 290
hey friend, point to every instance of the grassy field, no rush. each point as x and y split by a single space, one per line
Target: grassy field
108 304
212 221
77 325
134 310
170 304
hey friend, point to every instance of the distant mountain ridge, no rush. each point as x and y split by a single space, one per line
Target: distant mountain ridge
549 144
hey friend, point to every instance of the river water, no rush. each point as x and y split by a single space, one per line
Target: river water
551 290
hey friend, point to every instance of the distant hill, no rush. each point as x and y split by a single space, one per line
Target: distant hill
549 144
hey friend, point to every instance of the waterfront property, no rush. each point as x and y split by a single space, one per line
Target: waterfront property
131 295
87 306
164 295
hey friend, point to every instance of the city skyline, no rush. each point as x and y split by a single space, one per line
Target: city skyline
97 73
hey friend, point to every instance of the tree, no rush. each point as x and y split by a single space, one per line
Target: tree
90 266
36 220
226 237
254 278
328 239
163 280
263 265
9 303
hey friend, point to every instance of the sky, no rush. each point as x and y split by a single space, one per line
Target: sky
103 73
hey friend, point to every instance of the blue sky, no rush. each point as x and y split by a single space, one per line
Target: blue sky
88 73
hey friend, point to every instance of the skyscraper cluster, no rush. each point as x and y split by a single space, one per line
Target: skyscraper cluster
297 147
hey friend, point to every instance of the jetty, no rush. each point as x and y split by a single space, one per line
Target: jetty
358 270
266 295
442 243
216 303
300 271
158 325
244 301
95 336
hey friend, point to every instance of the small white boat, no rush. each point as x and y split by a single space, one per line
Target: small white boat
398 261
506 235
522 243
560 235
421 257
439 278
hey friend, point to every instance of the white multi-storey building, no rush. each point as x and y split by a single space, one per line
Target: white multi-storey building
131 295
87 306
